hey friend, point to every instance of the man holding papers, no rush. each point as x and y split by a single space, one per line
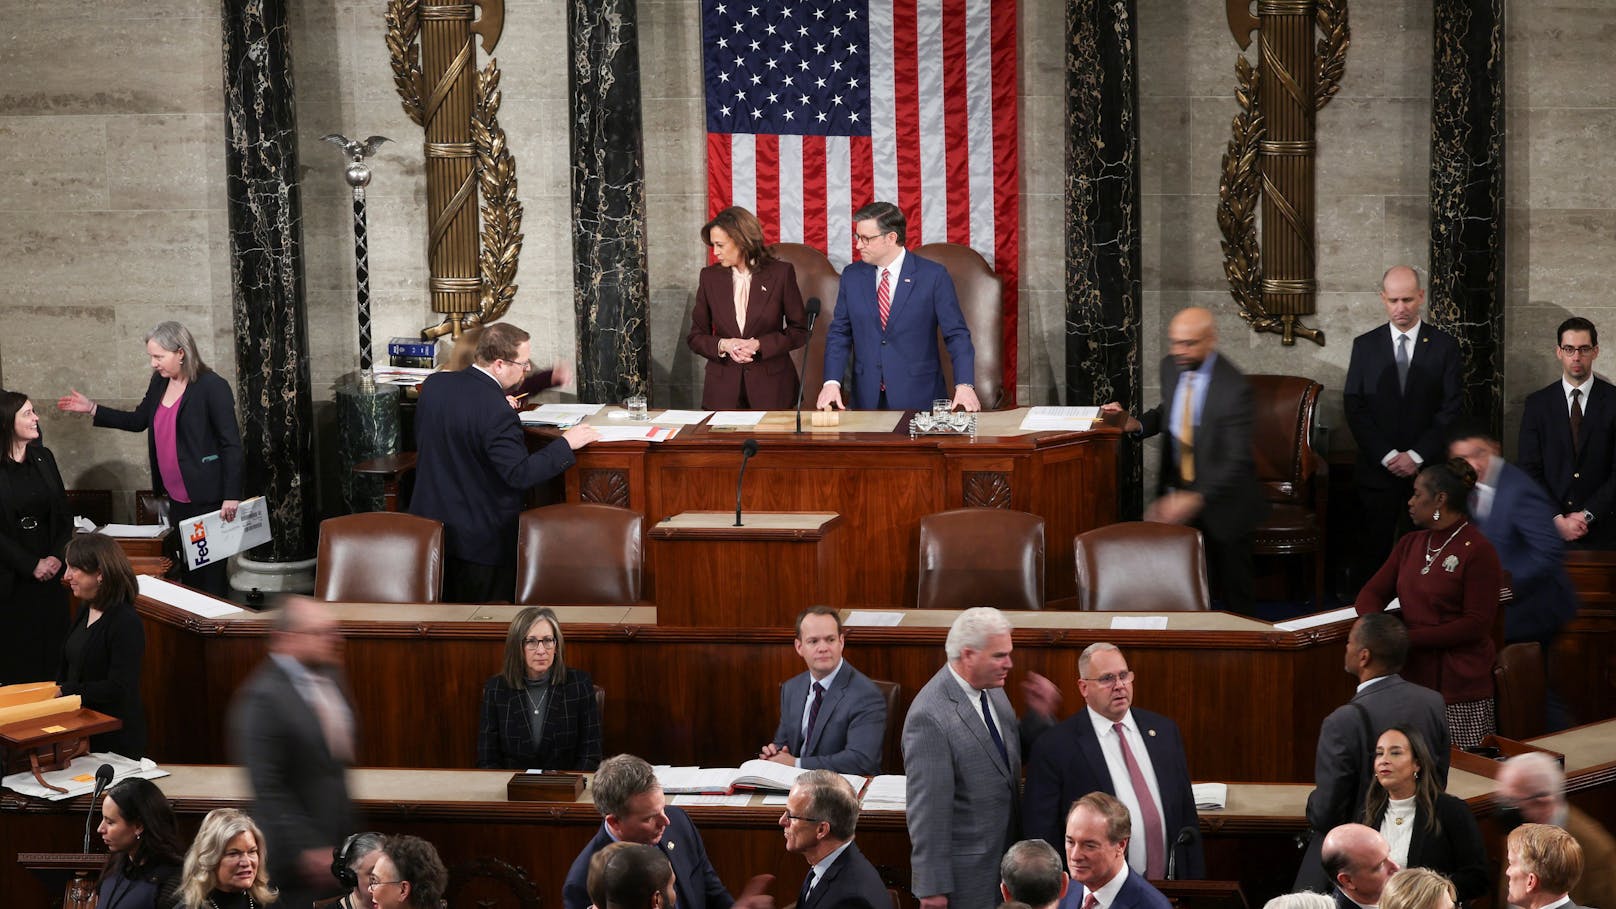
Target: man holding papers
474 466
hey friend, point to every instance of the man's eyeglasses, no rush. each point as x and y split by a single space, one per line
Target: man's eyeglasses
544 643
1583 349
526 366
797 817
861 240
1112 680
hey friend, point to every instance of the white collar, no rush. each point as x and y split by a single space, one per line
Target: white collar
1102 726
1107 894
1413 333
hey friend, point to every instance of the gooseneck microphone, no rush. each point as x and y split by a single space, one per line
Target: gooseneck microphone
1186 836
103 778
812 309
748 449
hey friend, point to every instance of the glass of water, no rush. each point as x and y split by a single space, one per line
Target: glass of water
635 405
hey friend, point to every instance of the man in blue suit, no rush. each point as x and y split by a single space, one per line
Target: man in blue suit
888 310
831 716
1097 832
1097 750
473 465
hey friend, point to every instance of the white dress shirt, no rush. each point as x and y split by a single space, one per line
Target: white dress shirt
1413 341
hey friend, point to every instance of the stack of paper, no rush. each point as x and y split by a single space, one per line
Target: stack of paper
886 793
754 774
137 531
181 597
563 415
736 418
1211 796
1067 419
78 778
637 432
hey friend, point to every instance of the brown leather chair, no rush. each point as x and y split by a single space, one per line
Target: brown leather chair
892 737
981 297
380 557
579 553
981 557
1141 566
1293 476
816 277
95 504
151 508
1522 692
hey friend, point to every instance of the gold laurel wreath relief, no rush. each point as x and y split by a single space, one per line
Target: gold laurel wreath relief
501 210
404 52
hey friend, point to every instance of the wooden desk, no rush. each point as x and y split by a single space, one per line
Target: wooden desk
882 483
1249 698
764 572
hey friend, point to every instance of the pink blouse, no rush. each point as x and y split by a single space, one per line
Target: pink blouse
168 457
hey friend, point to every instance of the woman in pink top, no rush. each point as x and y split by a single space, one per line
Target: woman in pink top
194 444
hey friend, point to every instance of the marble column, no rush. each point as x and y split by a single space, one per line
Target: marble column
1102 217
611 295
266 263
1467 194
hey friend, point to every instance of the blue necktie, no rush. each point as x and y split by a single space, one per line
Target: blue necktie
807 885
987 716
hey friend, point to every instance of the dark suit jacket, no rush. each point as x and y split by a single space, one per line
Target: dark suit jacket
694 879
850 882
1136 893
1067 764
473 466
1383 418
1455 850
1520 526
1225 474
571 727
904 354
108 676
774 316
300 790
207 440
1343 765
851 725
14 559
1580 479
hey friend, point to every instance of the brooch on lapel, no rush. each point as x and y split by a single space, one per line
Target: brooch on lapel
1151 733
765 288
1450 563
672 845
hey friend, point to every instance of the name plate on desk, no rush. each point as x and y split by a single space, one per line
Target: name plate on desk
545 786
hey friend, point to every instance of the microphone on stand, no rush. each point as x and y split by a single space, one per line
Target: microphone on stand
103 777
748 449
1186 835
812 309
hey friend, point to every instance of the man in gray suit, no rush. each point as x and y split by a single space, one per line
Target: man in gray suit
1545 862
962 757
832 717
292 725
1376 648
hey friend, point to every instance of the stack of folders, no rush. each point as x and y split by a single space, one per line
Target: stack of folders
754 774
885 793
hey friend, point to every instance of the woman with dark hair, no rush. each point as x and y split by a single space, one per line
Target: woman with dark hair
144 852
1447 578
1424 826
194 444
408 874
34 527
101 658
748 319
538 712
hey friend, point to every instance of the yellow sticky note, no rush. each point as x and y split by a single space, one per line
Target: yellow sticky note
54 729
84 778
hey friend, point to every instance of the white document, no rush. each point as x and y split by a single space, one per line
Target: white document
736 418
886 793
558 414
133 531
1071 419
873 617
1314 621
1210 796
209 538
78 778
181 597
1139 622
720 801
636 432
681 417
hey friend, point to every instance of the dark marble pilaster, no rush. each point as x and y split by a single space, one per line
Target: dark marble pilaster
1102 217
266 265
1467 193
611 296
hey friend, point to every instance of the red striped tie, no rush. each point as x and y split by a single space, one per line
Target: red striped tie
883 298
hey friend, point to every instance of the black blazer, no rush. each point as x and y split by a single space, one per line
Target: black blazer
1580 479
571 727
1456 850
473 466
851 882
1384 418
694 878
206 437
1225 472
108 676
16 561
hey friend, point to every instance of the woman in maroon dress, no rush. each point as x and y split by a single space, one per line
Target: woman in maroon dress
1446 577
748 319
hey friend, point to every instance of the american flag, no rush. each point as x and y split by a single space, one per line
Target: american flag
816 107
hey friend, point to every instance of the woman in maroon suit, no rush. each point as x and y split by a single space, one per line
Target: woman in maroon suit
748 319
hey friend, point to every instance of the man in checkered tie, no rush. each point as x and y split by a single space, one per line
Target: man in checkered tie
889 309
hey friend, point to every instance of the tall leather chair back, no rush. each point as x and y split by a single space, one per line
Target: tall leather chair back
579 552
1522 691
379 557
1281 443
816 277
1141 566
892 737
981 297
981 557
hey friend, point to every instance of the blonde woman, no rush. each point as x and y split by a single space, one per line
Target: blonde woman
225 867
1418 888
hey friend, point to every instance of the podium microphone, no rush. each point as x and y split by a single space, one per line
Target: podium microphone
748 449
103 777
812 309
1186 835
